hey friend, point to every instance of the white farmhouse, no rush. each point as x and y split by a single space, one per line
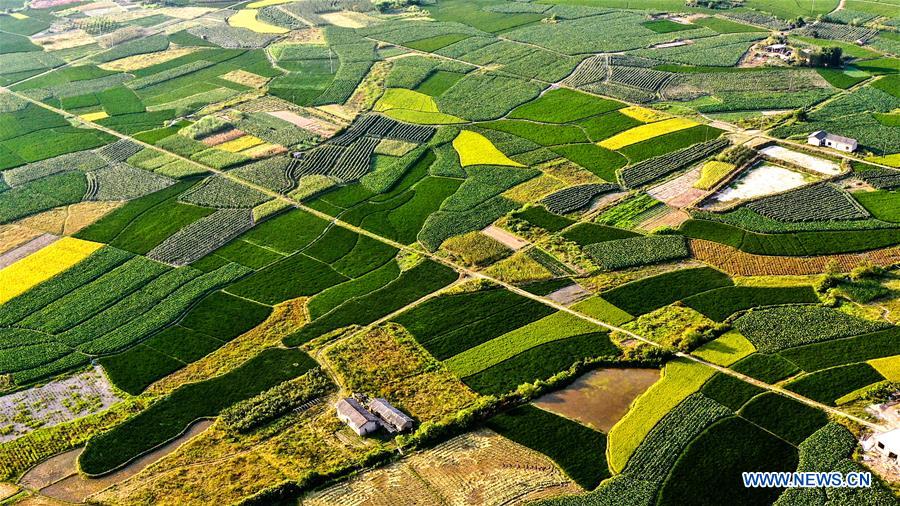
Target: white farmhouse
357 417
394 420
887 444
823 138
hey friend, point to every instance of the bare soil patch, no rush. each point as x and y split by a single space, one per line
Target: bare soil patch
315 125
26 249
569 294
508 239
680 191
14 235
141 61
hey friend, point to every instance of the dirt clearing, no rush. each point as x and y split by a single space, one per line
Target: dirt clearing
508 239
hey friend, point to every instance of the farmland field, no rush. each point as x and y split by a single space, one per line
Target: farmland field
599 252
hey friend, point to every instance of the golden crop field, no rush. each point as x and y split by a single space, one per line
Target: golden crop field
43 265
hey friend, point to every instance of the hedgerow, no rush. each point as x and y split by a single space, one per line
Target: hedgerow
412 284
634 251
721 303
827 385
645 295
170 416
577 449
776 328
789 419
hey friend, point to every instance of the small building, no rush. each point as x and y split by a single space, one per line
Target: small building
823 138
778 49
356 416
887 444
392 418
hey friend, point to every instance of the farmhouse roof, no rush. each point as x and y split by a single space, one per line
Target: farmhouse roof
777 46
355 414
390 414
890 439
822 134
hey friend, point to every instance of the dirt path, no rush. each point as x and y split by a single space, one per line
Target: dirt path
508 239
58 478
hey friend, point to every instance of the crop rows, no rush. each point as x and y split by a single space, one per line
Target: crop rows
275 15
591 70
382 127
660 449
81 160
165 312
272 173
355 161
649 170
576 197
758 18
218 191
121 181
638 77
202 236
319 160
818 202
878 177
119 151
165 75
834 31
227 36
310 10
777 328
634 251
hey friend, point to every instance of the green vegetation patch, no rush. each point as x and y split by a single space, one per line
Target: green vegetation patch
789 419
645 295
667 26
767 368
828 385
540 362
814 357
721 303
563 105
601 161
578 450
730 391
591 233
224 316
295 276
540 217
776 328
636 251
881 204
170 416
712 464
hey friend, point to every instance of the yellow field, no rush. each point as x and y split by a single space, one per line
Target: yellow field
43 265
475 149
889 367
648 131
18 15
726 349
246 18
712 172
889 160
94 116
239 144
413 107
643 114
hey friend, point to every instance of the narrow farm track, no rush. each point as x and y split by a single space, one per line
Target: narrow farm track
458 268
